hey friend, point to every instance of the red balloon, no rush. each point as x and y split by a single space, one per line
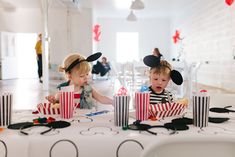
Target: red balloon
229 2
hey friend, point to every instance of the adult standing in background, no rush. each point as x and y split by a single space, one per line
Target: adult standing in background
157 53
38 48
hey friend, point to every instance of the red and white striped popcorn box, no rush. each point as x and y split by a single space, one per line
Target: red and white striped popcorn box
46 108
166 109
142 105
66 104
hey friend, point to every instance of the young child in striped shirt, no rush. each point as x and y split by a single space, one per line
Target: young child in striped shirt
159 79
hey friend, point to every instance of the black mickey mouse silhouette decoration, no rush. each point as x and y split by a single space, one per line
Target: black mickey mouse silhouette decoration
153 61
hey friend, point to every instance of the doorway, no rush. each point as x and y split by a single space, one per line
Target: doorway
26 55
18 57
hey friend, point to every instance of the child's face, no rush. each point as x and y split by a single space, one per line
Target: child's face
159 81
79 79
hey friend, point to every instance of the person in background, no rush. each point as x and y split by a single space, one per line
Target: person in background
102 67
77 70
157 53
38 48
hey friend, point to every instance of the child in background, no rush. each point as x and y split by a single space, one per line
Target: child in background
160 74
77 70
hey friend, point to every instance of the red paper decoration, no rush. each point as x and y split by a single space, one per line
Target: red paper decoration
229 2
176 37
97 32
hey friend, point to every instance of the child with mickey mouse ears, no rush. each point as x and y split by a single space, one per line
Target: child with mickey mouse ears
161 73
77 70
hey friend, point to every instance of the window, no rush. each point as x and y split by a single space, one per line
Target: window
127 46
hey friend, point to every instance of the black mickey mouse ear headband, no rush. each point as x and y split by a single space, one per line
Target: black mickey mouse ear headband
153 61
91 58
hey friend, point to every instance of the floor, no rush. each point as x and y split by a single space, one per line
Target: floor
27 93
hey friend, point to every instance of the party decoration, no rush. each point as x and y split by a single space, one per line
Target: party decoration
176 37
229 2
97 32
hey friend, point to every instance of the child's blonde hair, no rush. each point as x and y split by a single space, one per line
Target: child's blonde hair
163 68
82 67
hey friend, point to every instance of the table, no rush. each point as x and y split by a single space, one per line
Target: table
97 136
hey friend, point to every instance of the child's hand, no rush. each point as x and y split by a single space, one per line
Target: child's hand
51 98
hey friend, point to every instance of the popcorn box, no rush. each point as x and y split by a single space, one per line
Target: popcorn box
201 103
121 110
46 108
6 100
166 109
142 105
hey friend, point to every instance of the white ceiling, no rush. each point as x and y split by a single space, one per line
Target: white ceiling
153 8
107 8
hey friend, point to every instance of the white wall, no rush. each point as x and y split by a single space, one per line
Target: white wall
69 32
152 33
208 29
22 20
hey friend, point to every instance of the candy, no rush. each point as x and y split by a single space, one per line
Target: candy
144 88
122 91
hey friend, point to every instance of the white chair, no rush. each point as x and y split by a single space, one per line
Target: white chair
192 147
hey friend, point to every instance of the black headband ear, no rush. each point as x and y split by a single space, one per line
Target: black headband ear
91 58
176 77
94 57
153 61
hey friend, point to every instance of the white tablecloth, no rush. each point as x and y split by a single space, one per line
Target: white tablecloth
98 137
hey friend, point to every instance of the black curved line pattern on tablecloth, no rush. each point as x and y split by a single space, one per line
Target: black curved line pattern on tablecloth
4 144
128 140
95 132
87 118
64 140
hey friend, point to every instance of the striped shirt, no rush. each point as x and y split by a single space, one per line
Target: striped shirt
163 97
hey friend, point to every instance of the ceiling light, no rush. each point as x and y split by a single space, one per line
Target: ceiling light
137 5
131 16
